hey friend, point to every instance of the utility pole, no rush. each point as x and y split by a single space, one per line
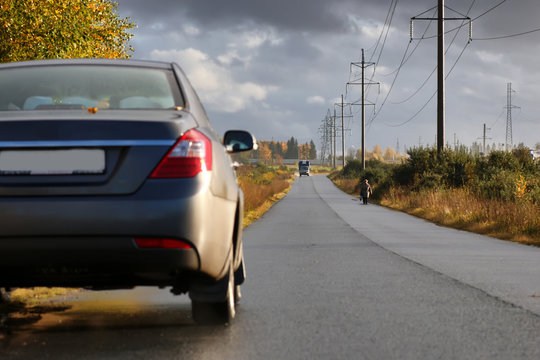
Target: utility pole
509 107
342 133
329 124
363 83
440 77
342 104
363 113
334 157
440 67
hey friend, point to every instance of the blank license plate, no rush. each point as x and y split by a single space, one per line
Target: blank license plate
52 162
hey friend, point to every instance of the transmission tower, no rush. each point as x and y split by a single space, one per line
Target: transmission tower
509 107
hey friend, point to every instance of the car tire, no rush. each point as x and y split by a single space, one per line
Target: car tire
237 291
214 313
5 295
237 294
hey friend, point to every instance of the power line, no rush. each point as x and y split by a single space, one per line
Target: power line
387 23
508 36
403 61
473 19
432 72
414 49
489 10
388 20
435 93
382 47
391 86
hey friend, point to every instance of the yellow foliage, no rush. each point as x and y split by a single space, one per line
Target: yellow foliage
50 29
521 188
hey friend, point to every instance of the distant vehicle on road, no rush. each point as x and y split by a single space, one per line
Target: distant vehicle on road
303 167
111 176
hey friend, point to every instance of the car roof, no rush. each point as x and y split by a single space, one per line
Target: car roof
108 62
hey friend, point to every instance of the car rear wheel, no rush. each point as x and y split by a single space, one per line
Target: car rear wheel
5 295
222 312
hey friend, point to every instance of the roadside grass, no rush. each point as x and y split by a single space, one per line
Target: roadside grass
262 186
28 303
347 185
461 208
33 296
320 169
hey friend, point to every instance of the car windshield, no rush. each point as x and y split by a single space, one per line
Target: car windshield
77 86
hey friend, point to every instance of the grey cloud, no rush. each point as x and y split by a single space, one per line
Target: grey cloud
319 38
294 15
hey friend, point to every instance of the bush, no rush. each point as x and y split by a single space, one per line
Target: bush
508 176
429 180
351 170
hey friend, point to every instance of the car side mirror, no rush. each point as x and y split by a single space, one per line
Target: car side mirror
238 141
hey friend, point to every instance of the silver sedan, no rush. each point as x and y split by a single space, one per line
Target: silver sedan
111 176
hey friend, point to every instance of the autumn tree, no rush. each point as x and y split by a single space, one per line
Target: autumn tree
377 152
264 152
303 151
53 29
389 154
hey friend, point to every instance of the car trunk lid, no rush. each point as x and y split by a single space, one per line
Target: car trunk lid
47 154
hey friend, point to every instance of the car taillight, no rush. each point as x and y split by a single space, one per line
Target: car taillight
159 243
190 155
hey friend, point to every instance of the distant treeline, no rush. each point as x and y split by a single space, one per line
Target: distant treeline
273 152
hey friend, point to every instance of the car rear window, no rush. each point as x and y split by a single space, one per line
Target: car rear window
76 86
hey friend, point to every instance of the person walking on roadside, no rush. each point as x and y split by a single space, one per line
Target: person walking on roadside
365 191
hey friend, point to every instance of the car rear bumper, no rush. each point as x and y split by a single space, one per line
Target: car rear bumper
91 261
80 241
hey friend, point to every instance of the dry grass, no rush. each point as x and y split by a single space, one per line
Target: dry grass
462 209
259 197
320 170
254 214
346 185
25 300
32 296
256 194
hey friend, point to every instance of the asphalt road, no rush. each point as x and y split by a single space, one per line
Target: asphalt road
328 278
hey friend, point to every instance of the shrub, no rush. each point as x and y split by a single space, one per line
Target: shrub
351 170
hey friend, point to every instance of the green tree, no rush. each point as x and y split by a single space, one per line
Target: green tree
52 29
312 150
292 149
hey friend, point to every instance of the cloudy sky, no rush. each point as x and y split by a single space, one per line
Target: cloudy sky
277 67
